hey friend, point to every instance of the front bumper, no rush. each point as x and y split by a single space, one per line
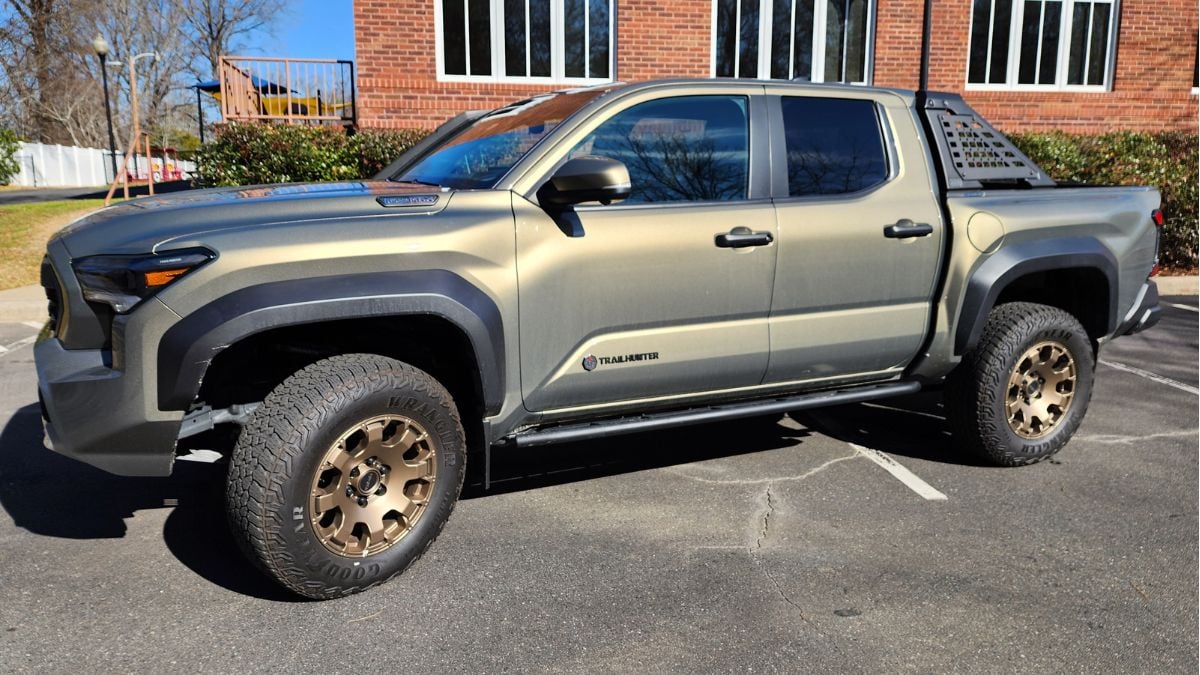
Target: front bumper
103 415
1145 312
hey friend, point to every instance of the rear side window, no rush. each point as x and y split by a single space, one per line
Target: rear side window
682 149
834 146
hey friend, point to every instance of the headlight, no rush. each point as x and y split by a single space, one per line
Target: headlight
122 281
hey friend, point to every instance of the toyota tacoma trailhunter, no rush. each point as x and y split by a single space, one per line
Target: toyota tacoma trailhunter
584 263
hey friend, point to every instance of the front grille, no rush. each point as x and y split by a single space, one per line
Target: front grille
53 293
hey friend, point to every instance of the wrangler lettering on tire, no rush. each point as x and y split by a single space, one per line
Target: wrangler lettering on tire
346 474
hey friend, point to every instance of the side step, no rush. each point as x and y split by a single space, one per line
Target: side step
678 418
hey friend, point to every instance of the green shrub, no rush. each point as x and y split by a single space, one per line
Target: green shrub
1166 160
249 154
9 144
378 147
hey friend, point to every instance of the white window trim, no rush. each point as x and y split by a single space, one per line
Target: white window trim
1013 66
557 67
765 27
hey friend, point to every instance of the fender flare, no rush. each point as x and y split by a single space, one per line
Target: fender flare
188 347
1010 263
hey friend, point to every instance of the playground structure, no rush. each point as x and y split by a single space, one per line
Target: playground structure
284 90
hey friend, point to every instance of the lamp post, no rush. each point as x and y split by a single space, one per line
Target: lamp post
135 131
101 47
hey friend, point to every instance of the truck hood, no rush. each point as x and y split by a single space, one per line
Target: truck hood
139 225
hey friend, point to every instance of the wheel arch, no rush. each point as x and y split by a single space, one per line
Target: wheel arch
426 299
1076 274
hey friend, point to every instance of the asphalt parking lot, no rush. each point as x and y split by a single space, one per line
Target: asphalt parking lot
773 544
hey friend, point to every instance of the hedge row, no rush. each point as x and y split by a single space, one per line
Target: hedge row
1166 160
249 154
9 144
246 154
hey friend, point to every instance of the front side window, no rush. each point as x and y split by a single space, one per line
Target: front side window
478 156
834 146
1053 44
682 149
807 40
525 40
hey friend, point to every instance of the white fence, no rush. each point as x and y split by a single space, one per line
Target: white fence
67 166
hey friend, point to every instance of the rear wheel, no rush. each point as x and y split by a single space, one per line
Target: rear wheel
1019 396
346 474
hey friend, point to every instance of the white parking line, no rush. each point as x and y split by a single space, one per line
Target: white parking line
33 324
1187 307
6 349
1155 377
912 480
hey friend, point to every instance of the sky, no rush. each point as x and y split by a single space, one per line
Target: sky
313 29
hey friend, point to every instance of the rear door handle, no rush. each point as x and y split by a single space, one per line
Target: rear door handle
906 228
741 237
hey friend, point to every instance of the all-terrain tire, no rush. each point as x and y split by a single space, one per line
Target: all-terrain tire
277 462
979 390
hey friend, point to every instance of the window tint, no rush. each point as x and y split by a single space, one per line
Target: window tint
688 148
834 146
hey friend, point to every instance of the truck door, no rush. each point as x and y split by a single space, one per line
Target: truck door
639 299
860 236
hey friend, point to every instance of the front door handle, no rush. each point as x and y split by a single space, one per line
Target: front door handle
907 228
741 237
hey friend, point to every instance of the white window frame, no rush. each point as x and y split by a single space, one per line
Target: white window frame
557 46
1013 65
766 8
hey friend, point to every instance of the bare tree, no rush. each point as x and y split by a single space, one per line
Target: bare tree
45 74
50 81
216 27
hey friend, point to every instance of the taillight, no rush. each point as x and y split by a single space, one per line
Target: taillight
1157 216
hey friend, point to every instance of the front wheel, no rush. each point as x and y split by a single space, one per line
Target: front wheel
345 474
1021 393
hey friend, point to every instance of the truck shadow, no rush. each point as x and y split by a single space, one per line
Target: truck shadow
54 496
908 426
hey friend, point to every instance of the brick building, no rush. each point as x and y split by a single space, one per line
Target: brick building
1076 65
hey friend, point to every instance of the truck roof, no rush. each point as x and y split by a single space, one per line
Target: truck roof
812 87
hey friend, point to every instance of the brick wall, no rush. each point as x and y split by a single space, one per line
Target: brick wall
1156 50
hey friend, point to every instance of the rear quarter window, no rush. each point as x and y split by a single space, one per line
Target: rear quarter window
834 146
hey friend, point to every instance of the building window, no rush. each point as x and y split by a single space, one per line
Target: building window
808 40
1042 44
525 40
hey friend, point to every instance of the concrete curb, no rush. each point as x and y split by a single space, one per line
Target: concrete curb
27 303
1189 285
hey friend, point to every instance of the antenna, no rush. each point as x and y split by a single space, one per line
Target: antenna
926 30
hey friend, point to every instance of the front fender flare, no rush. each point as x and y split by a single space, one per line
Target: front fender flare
1010 263
190 345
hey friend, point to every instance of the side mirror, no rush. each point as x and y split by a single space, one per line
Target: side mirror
586 179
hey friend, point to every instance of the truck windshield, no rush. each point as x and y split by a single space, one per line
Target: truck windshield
479 155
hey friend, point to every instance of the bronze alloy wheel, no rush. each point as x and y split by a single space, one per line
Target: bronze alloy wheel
1040 389
373 485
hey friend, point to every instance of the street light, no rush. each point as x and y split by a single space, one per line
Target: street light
101 47
135 132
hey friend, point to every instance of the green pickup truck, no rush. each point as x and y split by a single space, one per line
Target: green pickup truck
581 264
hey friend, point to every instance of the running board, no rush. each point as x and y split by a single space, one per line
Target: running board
666 420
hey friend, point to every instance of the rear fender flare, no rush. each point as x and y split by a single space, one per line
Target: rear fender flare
1010 263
